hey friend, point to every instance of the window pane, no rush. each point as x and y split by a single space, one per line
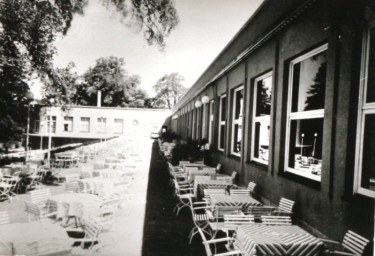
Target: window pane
309 83
222 136
85 124
371 69
261 139
223 108
239 101
305 145
368 160
237 138
68 123
263 97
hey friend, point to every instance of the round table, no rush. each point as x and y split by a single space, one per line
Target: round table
76 204
29 238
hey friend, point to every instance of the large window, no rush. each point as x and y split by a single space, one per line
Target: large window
52 125
211 121
365 147
237 121
307 83
68 123
85 124
261 118
222 122
102 125
118 126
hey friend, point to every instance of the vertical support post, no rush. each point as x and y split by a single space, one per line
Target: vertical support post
27 134
49 137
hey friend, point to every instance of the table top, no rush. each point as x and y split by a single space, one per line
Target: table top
276 240
23 236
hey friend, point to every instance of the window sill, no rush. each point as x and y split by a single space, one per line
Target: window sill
301 179
261 165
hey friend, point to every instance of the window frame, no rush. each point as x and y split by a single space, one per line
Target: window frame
238 121
115 124
211 120
302 115
69 121
364 109
81 122
221 122
102 124
256 118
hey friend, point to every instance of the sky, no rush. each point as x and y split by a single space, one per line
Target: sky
205 28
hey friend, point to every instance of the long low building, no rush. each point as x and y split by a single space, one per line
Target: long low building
290 104
87 123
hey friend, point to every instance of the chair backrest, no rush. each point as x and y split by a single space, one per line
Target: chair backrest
276 220
220 211
32 207
251 186
92 229
109 207
184 162
71 178
40 195
239 192
286 205
4 218
354 242
238 219
71 186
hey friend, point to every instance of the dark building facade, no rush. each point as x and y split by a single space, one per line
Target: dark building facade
290 104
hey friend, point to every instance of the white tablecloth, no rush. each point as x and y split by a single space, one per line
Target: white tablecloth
25 237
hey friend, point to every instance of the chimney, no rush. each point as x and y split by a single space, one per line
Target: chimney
99 104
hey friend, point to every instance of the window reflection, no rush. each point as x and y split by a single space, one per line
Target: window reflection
305 147
261 126
368 162
237 120
309 82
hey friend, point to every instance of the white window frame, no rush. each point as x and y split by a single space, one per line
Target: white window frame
221 122
236 121
102 126
257 119
68 122
204 117
364 109
211 121
83 122
311 114
116 126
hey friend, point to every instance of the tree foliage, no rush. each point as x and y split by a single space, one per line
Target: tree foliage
118 88
168 90
28 30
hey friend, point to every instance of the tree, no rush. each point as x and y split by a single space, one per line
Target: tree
61 85
168 90
28 30
118 88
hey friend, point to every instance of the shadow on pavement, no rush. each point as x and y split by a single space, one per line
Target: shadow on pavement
164 233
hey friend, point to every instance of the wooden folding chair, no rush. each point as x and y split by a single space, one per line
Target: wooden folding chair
207 244
34 210
285 207
4 218
276 220
352 244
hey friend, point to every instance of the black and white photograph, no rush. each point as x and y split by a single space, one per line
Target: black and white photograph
187 127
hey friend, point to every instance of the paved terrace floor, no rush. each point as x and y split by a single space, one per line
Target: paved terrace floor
145 224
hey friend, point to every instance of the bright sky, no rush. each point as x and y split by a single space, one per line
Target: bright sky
205 27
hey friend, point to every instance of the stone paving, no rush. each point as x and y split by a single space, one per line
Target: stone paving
126 234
